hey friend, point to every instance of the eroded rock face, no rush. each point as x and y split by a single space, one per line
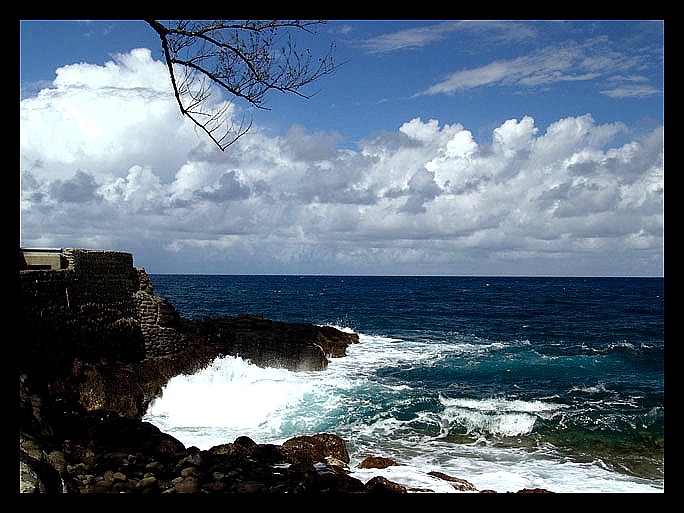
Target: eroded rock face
294 346
95 333
80 427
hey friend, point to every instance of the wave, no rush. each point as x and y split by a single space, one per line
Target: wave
234 396
599 388
495 416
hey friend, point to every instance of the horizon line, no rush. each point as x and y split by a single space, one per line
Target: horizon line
335 275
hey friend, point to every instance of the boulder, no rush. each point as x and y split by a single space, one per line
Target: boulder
304 451
377 462
459 484
379 484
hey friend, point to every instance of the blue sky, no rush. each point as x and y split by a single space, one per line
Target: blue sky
437 147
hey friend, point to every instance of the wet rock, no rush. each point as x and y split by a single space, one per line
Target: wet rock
377 462
379 484
294 346
305 450
459 484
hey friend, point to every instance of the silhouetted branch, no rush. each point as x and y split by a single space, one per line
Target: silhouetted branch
241 57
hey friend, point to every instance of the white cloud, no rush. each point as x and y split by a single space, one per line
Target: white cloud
410 38
417 37
107 161
513 135
631 91
105 119
568 61
140 189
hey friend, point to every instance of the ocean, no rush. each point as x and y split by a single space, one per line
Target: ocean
507 382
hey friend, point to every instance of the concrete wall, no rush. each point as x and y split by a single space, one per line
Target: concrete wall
41 259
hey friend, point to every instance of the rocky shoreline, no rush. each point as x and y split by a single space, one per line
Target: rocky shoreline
88 372
66 449
83 433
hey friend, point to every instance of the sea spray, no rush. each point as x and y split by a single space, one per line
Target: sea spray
231 394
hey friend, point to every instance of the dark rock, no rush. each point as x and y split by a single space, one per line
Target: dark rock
459 484
332 446
377 462
306 450
295 346
187 485
379 484
248 487
131 436
101 452
37 474
245 442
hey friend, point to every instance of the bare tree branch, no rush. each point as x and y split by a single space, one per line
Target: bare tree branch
246 58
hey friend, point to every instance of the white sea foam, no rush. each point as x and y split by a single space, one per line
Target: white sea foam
595 389
234 397
499 469
494 416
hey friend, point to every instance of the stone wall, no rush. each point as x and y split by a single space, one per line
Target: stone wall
159 320
100 306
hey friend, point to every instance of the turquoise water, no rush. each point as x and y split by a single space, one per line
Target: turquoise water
506 382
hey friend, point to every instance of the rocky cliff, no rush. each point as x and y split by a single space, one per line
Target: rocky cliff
96 332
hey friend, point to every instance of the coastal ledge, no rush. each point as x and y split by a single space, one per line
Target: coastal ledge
93 328
267 343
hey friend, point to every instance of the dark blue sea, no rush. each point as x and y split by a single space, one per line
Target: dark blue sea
506 382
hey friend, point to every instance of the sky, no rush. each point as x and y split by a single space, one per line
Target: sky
437 147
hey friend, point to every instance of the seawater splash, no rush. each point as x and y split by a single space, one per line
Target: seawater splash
231 395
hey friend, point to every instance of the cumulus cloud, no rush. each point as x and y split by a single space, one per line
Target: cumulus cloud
80 188
102 119
107 161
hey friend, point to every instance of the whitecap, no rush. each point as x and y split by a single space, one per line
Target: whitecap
494 416
599 388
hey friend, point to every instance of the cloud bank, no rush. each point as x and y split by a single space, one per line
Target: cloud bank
107 161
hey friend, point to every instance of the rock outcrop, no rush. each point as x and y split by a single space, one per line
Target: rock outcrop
294 346
101 452
96 332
